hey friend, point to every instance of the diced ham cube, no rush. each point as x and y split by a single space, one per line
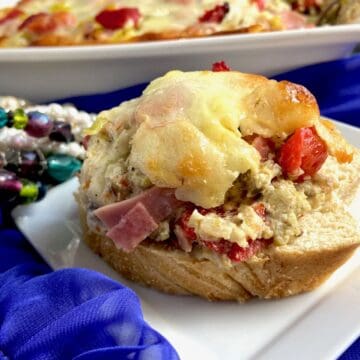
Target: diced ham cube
134 227
160 203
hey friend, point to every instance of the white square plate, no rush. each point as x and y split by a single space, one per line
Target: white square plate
317 325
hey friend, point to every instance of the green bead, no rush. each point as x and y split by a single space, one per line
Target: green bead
20 119
3 118
62 167
29 191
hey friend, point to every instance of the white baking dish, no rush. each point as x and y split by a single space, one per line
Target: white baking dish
42 74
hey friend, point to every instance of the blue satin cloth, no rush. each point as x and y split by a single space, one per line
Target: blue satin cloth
83 315
68 314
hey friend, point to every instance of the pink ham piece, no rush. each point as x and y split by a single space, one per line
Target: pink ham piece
135 226
160 202
133 220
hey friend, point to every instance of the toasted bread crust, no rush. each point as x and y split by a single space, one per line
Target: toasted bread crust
274 273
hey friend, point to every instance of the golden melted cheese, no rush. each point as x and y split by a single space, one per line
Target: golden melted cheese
191 127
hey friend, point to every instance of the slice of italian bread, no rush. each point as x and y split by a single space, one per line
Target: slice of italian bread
327 241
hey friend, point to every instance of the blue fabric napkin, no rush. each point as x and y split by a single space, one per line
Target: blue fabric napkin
67 314
81 314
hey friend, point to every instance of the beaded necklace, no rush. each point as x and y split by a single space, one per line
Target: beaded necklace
38 149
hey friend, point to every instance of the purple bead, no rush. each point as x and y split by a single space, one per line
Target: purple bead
31 165
7 175
61 132
9 181
26 163
39 124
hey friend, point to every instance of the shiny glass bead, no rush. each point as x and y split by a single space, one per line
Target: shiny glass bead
26 163
10 187
61 132
19 119
29 191
3 118
7 175
9 181
39 124
32 164
62 167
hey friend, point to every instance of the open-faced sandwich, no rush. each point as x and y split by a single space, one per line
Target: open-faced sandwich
220 184
79 22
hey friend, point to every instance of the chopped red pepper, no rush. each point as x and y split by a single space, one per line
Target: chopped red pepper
183 221
303 153
260 210
215 15
118 18
221 246
261 4
238 253
220 66
185 216
235 252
